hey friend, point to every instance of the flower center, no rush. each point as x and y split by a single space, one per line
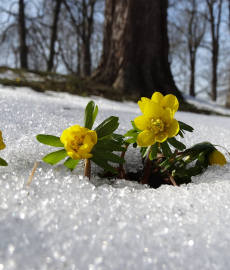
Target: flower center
157 125
77 143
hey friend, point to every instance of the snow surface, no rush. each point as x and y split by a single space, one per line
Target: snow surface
63 221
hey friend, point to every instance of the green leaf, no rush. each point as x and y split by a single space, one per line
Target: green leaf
109 145
55 157
166 149
106 155
71 163
175 143
203 158
144 151
131 133
180 133
154 151
107 127
117 137
201 147
131 140
103 164
134 126
3 162
95 114
89 115
186 127
49 140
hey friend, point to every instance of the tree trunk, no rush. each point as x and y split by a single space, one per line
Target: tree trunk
86 69
135 48
228 96
22 36
192 76
215 29
86 32
54 35
214 74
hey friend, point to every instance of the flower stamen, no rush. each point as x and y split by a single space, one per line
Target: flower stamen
157 125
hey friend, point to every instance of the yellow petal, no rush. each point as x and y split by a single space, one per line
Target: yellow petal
70 132
93 135
87 145
86 155
146 138
153 110
173 128
167 116
157 97
2 145
161 136
142 122
73 155
142 103
170 101
216 157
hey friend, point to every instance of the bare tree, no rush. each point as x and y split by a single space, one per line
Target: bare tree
215 32
196 31
82 17
135 48
22 35
53 38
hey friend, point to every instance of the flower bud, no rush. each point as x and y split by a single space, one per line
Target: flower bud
216 157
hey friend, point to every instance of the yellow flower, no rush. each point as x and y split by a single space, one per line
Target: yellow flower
79 141
2 145
216 157
169 101
157 124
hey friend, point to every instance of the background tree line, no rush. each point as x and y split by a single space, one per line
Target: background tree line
67 36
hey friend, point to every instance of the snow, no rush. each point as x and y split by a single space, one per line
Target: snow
63 221
28 76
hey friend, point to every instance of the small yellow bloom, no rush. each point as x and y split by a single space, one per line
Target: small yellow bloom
18 79
157 124
79 141
216 157
169 101
2 145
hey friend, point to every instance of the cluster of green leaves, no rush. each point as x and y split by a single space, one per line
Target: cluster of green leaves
102 152
3 162
178 164
175 162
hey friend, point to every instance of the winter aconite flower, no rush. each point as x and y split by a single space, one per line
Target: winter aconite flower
2 145
169 101
79 141
216 157
157 124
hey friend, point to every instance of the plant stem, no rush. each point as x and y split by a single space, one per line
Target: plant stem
87 168
32 173
145 176
170 176
121 167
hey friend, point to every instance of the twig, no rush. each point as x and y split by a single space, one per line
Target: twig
169 175
87 168
32 173
121 167
145 176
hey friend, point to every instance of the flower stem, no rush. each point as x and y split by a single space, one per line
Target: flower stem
32 173
145 176
121 167
87 168
170 176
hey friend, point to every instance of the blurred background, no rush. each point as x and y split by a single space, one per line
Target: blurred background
75 39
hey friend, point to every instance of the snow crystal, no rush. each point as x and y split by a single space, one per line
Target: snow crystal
63 221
